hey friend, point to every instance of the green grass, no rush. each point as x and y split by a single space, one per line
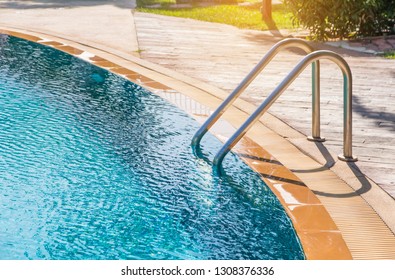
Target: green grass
246 17
390 55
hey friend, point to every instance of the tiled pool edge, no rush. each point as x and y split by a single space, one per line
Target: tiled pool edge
297 204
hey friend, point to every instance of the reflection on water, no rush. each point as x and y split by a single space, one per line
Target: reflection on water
95 167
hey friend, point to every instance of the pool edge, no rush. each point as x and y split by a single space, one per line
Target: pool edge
304 205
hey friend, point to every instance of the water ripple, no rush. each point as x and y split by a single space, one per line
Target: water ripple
95 167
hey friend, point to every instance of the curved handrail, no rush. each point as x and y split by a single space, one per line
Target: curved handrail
286 43
310 58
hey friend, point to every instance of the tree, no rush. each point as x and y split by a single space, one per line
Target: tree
266 11
328 19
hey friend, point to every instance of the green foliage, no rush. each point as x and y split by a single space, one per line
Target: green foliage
386 16
342 18
390 55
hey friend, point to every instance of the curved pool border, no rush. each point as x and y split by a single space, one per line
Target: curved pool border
333 219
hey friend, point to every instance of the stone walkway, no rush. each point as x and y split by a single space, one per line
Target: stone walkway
221 55
86 20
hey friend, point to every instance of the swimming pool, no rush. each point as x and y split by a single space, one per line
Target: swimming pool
96 167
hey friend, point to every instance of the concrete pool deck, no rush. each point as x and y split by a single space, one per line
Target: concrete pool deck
191 48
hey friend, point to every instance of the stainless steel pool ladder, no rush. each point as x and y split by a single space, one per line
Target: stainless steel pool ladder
312 57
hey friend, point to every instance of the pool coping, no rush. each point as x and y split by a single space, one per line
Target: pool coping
315 208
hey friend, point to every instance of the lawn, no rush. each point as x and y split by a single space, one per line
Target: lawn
390 54
242 16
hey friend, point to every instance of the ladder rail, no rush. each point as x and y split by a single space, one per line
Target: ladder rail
287 43
298 69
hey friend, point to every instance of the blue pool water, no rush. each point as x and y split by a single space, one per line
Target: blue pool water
95 167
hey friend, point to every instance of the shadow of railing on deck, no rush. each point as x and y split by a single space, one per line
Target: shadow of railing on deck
330 161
